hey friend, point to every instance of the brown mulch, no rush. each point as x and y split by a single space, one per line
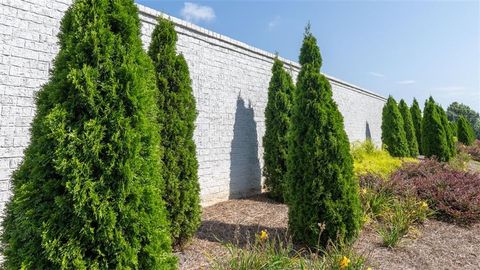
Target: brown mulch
436 245
234 221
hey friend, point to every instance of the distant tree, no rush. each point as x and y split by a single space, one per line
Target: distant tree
321 187
434 138
277 123
465 131
87 193
455 110
448 131
417 123
409 128
177 122
394 138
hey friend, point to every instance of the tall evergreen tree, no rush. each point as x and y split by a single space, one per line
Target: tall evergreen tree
448 131
465 132
394 138
453 128
177 121
417 123
434 138
455 110
321 188
277 123
86 194
409 129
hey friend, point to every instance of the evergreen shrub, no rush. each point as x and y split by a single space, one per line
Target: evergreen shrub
322 193
277 123
177 114
409 128
394 138
87 193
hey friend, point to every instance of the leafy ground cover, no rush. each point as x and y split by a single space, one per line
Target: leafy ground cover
370 159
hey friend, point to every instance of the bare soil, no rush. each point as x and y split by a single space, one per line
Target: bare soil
435 245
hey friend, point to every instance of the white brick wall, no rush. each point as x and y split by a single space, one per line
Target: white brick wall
230 81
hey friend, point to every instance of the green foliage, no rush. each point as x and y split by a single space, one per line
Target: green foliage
280 254
465 131
455 110
177 121
375 200
452 148
417 123
399 217
394 138
277 123
87 193
454 128
409 128
395 214
321 187
434 136
369 159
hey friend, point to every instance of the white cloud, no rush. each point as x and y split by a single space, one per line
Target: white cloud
273 23
376 74
195 13
406 82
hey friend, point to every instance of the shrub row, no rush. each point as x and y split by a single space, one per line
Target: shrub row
107 144
406 133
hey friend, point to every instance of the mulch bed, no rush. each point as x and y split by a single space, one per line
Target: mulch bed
436 245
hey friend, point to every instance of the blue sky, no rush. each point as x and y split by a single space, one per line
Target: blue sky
403 48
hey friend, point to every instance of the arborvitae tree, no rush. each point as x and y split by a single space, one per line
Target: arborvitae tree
277 123
409 129
417 123
465 131
393 133
321 188
448 131
177 120
456 109
453 128
87 193
434 138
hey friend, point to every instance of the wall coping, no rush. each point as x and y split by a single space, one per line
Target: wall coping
153 14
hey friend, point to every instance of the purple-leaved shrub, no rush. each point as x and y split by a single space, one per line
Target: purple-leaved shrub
453 195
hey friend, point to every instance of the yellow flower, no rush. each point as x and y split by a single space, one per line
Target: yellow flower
366 219
263 235
424 205
369 268
344 262
364 191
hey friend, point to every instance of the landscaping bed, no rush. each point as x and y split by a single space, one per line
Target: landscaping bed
435 245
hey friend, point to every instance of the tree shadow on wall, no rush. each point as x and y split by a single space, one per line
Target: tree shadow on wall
245 174
368 135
